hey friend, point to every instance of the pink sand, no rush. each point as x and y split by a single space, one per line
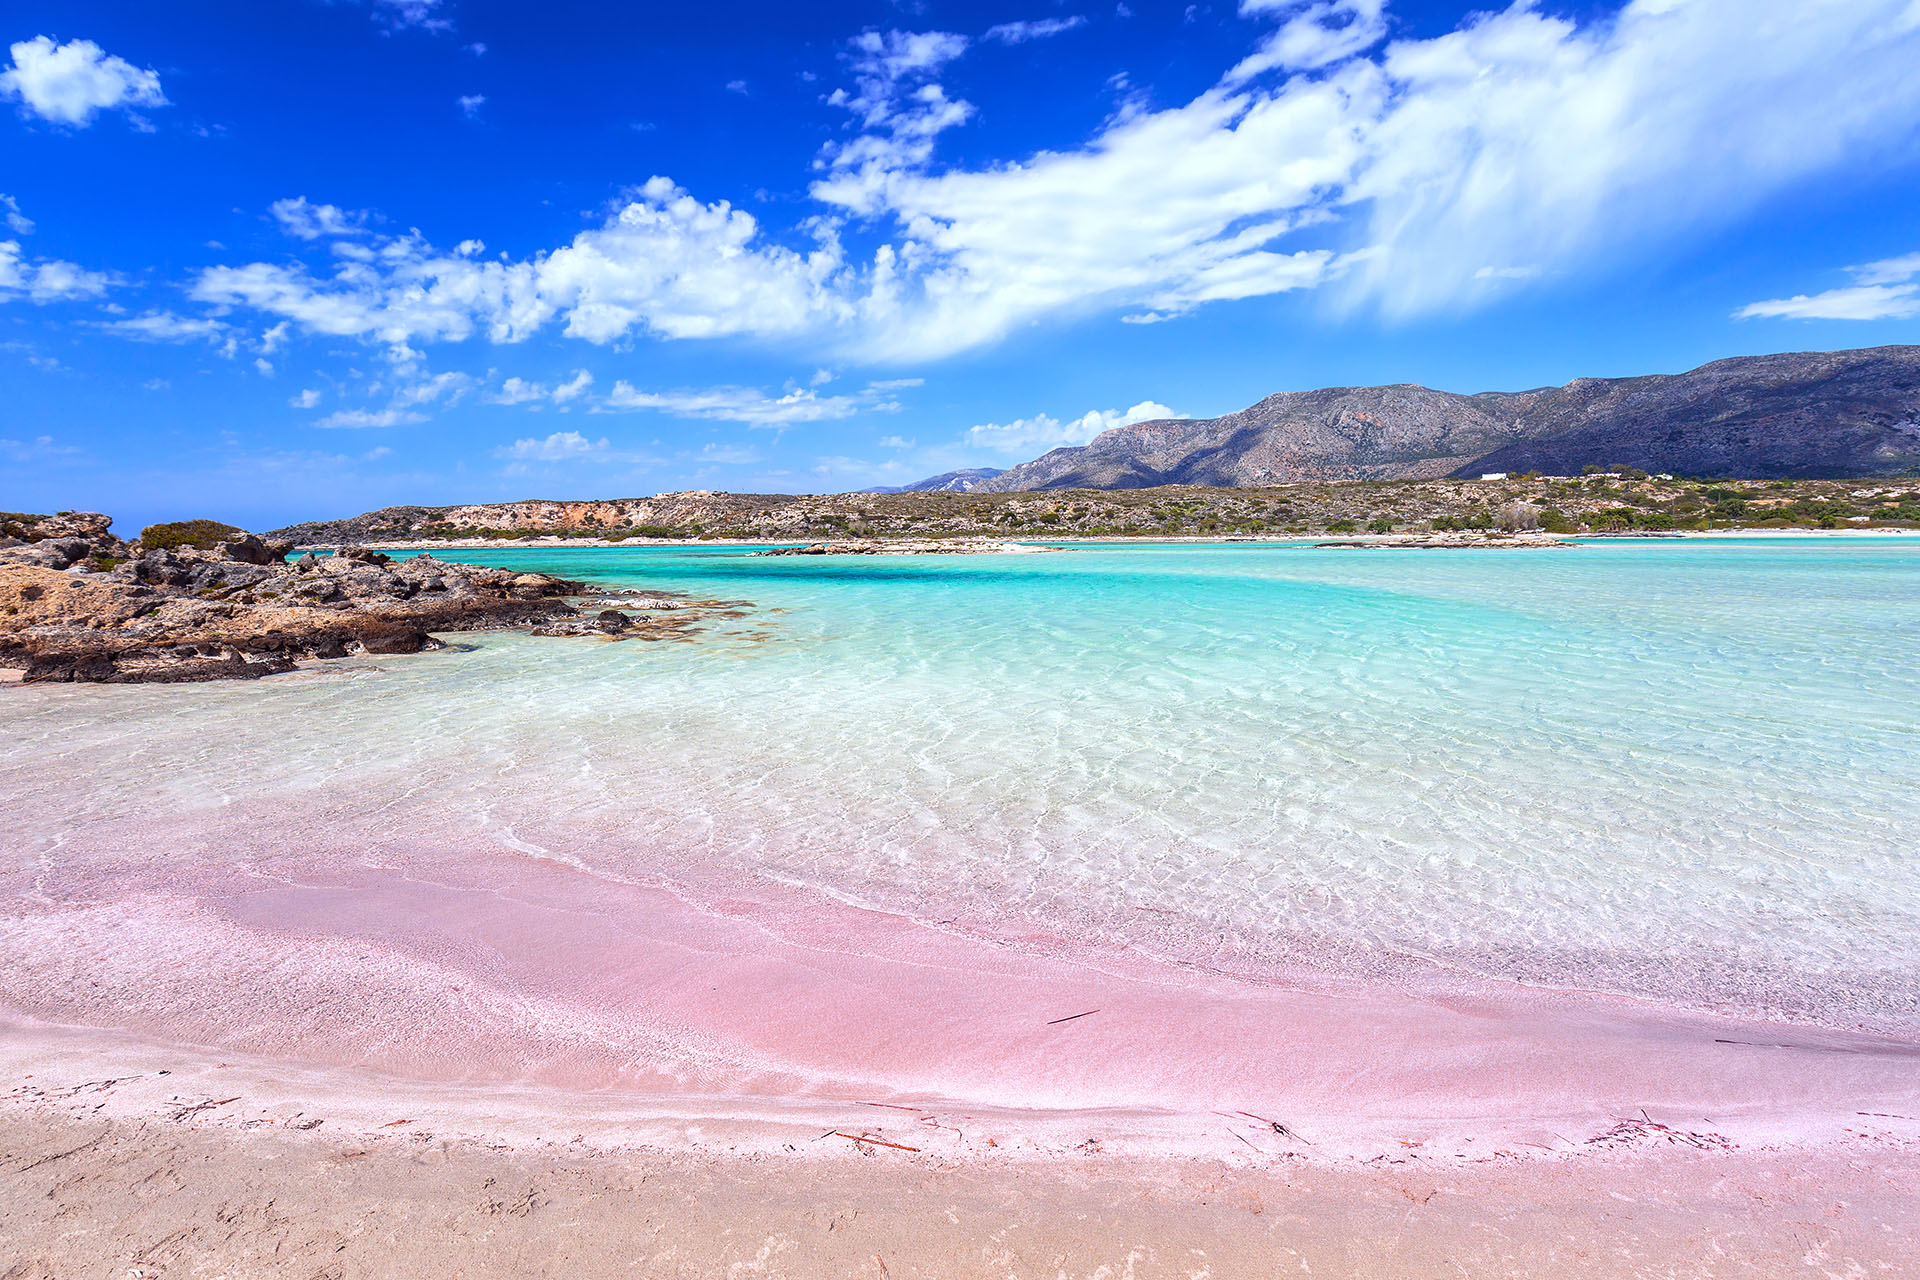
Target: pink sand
539 980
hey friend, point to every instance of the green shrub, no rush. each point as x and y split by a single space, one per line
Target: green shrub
198 534
1380 524
1342 526
1554 520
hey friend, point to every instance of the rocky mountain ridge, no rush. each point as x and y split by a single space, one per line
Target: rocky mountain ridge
965 480
1805 416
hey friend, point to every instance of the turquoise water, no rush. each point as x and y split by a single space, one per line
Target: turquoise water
1682 770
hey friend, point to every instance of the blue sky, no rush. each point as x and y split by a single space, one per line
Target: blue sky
267 260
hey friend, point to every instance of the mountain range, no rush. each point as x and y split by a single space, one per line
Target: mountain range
1809 415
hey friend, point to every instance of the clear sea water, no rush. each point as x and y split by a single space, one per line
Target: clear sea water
1683 770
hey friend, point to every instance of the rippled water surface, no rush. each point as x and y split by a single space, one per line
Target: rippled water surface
1684 770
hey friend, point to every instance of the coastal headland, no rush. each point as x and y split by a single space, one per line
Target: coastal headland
1620 502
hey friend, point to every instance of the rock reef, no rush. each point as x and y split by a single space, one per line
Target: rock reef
78 604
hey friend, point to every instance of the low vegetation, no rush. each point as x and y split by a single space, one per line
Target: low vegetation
198 534
1618 501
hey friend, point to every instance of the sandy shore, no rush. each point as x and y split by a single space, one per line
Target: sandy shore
86 1194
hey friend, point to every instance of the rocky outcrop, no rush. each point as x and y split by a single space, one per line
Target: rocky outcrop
1810 415
59 541
241 611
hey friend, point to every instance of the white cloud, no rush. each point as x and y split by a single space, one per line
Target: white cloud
301 217
561 446
470 104
1315 33
1414 177
737 86
432 389
46 279
1021 32
1884 290
20 223
71 83
896 55
730 455
165 326
520 391
744 404
307 399
1889 270
1041 432
361 418
895 442
900 108
413 13
573 388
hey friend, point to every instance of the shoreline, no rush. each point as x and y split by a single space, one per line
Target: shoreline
802 1015
1303 540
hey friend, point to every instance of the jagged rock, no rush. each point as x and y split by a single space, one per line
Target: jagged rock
184 614
250 549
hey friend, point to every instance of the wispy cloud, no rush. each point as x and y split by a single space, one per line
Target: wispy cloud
750 406
1884 290
1381 173
360 419
1039 29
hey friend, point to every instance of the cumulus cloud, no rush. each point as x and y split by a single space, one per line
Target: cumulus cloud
46 279
1884 290
1041 432
521 391
1408 176
561 446
301 217
71 83
470 104
1040 29
307 399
